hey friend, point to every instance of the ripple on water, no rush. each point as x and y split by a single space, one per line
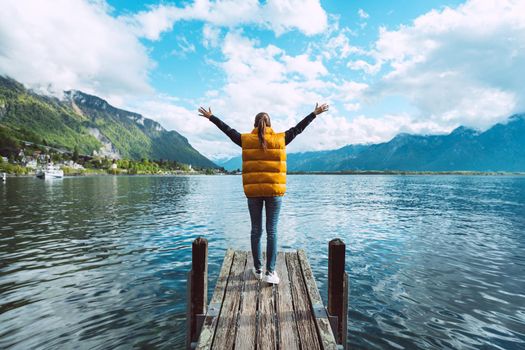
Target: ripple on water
100 263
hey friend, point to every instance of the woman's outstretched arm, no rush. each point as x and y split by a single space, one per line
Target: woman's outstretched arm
291 133
232 133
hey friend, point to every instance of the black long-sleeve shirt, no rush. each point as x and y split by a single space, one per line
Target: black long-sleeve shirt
289 134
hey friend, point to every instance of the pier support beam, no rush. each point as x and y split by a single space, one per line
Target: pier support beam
197 290
338 288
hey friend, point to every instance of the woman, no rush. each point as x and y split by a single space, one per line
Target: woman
264 178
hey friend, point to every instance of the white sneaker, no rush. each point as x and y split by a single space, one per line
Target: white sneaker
257 274
271 277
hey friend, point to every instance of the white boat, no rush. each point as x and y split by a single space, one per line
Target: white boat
50 171
3 177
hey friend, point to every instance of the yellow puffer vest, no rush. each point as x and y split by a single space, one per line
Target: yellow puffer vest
263 172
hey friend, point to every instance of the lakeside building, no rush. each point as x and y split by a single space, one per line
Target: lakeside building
73 164
31 163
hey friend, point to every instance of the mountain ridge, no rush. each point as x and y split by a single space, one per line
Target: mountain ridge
90 124
499 148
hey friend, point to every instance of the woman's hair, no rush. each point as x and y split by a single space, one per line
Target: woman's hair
262 120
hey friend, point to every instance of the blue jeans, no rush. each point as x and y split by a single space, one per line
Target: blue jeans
273 206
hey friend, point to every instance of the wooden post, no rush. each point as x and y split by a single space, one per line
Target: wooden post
197 296
338 288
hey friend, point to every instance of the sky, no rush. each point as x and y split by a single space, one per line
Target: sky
384 67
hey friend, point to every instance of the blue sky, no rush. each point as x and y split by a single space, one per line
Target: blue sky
384 67
189 75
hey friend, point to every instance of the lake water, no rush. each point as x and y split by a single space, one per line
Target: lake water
100 262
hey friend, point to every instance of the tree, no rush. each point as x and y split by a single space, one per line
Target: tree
56 157
75 154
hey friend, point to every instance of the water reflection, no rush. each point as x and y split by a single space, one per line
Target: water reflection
100 262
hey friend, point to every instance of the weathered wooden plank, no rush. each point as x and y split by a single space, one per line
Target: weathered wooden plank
227 325
212 314
286 325
245 313
246 330
306 327
266 330
344 325
326 336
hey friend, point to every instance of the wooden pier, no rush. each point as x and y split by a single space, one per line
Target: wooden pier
245 313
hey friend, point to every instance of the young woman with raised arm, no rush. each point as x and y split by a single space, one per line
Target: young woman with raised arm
264 178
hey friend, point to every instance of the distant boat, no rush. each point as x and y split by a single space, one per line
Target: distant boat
50 171
3 177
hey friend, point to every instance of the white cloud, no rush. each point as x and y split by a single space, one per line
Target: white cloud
78 44
362 14
302 65
457 66
305 15
265 78
280 16
368 68
338 45
350 91
333 131
210 36
150 24
352 107
59 47
335 43
461 65
184 47
200 132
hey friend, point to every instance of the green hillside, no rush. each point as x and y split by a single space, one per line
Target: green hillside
44 120
88 123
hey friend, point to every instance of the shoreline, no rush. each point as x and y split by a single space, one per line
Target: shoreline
364 172
101 174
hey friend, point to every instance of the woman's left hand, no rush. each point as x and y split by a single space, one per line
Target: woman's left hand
320 109
205 113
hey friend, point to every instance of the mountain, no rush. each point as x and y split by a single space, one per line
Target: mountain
90 124
331 160
306 161
132 135
500 148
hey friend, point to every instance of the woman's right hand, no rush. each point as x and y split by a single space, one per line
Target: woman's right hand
320 109
205 113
